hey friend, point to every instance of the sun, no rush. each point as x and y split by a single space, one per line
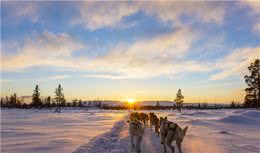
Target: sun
130 101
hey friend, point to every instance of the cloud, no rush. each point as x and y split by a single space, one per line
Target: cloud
59 77
111 14
256 28
254 5
254 11
106 76
162 55
95 15
17 11
208 12
236 63
41 49
5 80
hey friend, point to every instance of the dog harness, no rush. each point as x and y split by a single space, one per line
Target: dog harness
170 126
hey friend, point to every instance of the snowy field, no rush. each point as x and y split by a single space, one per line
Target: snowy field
33 131
210 131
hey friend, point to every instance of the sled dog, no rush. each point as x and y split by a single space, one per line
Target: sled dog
136 132
154 121
170 132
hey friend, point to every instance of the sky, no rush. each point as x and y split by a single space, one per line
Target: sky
123 50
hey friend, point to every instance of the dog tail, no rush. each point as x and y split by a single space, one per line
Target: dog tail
185 130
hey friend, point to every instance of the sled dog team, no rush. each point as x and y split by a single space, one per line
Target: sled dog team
168 131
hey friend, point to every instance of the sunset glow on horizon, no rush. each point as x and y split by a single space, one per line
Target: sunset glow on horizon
129 49
130 101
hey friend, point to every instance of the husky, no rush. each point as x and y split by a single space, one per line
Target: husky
144 118
135 115
170 132
154 121
136 131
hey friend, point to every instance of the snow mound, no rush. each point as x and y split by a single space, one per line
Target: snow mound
253 114
199 113
107 142
239 111
241 119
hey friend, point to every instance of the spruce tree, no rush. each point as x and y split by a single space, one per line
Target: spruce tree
2 102
179 100
252 98
59 97
47 102
157 105
36 101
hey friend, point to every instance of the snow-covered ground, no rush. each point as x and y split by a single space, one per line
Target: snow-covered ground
42 131
210 131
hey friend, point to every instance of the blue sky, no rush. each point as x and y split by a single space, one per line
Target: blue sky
122 50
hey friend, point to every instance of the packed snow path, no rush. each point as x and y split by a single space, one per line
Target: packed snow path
117 141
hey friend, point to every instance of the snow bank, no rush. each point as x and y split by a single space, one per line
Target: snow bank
198 113
253 114
245 118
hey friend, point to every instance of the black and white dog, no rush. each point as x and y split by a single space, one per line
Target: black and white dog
170 132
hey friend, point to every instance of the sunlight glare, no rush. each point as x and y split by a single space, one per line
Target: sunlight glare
130 101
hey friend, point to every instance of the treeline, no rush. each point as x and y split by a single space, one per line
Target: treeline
58 101
37 102
232 105
15 102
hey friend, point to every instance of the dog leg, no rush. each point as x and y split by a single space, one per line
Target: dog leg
179 146
138 144
172 148
132 142
164 147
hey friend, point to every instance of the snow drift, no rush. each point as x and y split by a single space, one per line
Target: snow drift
244 118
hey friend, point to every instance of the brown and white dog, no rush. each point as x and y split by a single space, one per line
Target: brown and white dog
136 132
170 132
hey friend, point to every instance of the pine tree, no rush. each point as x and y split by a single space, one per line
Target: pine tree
74 102
179 100
80 103
2 102
7 101
47 102
233 104
59 97
13 100
36 101
157 105
252 98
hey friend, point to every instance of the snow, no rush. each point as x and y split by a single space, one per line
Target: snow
31 131
95 131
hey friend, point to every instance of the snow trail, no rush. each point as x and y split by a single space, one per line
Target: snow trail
117 141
